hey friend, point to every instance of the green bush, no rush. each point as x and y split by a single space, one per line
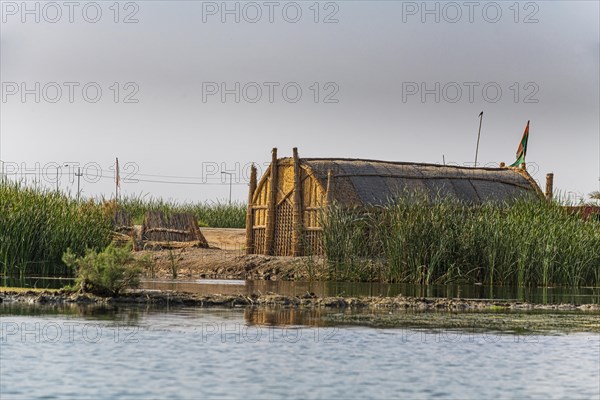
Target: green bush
107 272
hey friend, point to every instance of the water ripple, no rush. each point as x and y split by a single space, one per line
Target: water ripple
184 359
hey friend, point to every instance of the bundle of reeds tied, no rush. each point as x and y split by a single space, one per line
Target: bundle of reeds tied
173 228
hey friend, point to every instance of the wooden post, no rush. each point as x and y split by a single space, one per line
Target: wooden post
297 210
324 216
272 200
329 193
249 213
549 186
502 165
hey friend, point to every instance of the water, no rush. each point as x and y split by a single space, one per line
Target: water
585 295
191 353
532 295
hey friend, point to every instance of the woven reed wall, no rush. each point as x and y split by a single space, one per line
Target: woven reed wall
259 241
174 228
283 229
313 199
122 222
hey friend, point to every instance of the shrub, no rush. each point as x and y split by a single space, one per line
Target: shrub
107 272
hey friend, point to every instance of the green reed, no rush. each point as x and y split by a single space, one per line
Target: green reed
525 243
37 226
213 214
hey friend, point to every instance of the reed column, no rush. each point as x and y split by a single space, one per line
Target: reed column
249 213
272 199
549 186
326 210
297 208
329 193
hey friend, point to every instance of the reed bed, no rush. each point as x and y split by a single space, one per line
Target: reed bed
525 243
212 214
37 226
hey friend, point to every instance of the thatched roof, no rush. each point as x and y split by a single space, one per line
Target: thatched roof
361 182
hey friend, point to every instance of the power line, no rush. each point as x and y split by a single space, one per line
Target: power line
205 178
172 182
135 180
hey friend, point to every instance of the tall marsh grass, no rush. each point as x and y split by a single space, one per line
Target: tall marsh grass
37 226
213 214
526 243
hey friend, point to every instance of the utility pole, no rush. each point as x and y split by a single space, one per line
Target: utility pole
230 183
78 175
478 136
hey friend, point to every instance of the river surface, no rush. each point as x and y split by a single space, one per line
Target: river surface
194 353
584 295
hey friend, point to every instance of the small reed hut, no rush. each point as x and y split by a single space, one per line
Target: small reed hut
284 207
172 230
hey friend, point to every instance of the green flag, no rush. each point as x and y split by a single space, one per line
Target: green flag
522 150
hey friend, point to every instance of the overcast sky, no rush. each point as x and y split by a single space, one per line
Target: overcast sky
188 91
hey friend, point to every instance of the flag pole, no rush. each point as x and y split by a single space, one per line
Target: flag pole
478 136
117 179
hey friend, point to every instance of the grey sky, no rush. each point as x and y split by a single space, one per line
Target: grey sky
367 61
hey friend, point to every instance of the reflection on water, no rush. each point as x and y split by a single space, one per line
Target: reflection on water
145 352
507 321
350 289
132 315
284 316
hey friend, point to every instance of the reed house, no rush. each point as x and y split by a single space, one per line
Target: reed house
285 206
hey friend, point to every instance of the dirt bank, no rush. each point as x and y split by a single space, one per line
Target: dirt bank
226 264
226 259
225 238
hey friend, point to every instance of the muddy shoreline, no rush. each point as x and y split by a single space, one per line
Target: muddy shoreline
229 264
227 259
403 312
307 301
